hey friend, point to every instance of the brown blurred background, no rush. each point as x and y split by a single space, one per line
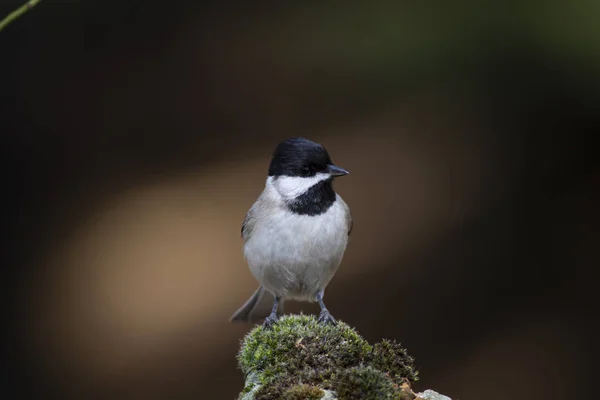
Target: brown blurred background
136 134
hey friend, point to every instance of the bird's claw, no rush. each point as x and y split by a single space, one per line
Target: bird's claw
325 317
269 321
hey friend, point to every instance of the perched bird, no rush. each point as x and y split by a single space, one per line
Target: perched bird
296 232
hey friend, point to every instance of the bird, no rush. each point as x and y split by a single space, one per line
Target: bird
296 232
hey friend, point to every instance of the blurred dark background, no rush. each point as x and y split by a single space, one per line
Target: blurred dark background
136 134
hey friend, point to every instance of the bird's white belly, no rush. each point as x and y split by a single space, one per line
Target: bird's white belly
294 256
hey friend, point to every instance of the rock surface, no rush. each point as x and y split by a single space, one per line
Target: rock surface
431 395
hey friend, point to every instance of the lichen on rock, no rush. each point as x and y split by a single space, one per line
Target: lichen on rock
300 358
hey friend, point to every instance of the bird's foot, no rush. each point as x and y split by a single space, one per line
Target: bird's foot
325 317
269 321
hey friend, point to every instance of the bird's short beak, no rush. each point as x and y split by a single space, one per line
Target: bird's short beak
334 170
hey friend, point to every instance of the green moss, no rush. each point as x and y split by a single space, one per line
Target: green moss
296 343
391 357
303 392
365 383
246 390
298 356
295 392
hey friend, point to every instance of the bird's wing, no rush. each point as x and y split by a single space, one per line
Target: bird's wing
349 221
255 213
248 225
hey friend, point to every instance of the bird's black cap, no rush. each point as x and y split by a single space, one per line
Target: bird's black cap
299 157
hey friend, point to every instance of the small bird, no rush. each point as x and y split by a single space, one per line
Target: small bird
296 232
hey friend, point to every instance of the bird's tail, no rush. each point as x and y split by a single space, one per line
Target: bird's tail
257 307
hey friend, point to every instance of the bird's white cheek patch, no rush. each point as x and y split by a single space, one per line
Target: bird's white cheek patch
291 187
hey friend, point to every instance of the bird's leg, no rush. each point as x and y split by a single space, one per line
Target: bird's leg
325 316
271 319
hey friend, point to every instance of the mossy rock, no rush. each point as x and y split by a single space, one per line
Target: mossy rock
301 391
300 358
391 357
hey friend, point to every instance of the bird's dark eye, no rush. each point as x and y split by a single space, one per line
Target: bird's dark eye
305 171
